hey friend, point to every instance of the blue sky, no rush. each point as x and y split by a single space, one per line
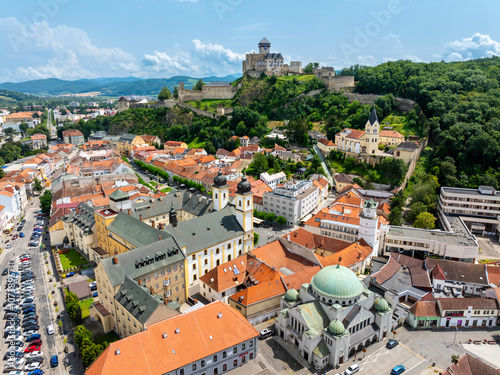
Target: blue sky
72 39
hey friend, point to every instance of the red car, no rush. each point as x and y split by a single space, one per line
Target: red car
15 237
25 259
32 348
36 342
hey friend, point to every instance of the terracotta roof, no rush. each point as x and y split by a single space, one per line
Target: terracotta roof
493 274
277 147
271 287
35 137
310 240
326 142
354 253
438 273
200 334
276 255
469 365
425 308
343 178
356 134
387 271
390 134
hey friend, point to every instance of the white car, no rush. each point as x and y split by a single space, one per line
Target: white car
92 284
50 330
14 338
15 362
33 366
29 333
32 355
27 289
16 373
352 369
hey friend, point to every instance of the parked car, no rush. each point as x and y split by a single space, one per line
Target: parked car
11 332
35 372
33 366
50 330
14 237
21 234
31 335
352 369
5 271
12 354
37 342
32 348
32 355
391 344
54 361
399 369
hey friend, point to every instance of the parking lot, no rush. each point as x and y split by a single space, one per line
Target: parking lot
50 344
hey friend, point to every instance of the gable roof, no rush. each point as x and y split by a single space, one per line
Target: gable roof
407 146
160 350
460 271
390 134
469 365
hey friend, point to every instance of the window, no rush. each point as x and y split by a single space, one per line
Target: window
182 371
176 277
194 266
250 344
205 252
235 350
156 275
156 285
243 346
228 245
202 363
224 367
251 356
175 268
215 358
243 359
193 257
239 242
224 354
194 366
206 262
162 272
235 363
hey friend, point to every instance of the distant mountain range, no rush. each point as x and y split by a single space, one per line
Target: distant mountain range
107 86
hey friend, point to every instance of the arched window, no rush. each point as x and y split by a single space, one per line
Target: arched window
239 203
239 242
224 195
228 258
239 252
215 195
228 245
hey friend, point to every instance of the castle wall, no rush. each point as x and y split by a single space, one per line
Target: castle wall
208 92
402 105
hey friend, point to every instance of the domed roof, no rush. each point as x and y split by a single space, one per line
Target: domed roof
292 295
244 186
220 180
381 305
337 282
336 327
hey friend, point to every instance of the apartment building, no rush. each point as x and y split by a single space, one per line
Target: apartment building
73 136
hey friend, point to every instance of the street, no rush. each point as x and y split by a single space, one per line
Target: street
46 292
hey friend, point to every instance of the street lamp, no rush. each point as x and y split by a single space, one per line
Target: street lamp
456 331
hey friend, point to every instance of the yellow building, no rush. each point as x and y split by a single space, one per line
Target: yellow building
406 151
126 143
391 138
358 141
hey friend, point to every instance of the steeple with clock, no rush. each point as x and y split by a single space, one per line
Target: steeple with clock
368 225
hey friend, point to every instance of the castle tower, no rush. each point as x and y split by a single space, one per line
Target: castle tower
244 205
220 192
368 225
264 46
119 201
372 129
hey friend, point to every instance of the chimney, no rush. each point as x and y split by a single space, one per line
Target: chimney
288 236
130 212
199 198
115 259
140 217
153 224
159 237
359 255
151 290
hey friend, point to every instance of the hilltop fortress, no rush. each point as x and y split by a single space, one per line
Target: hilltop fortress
271 63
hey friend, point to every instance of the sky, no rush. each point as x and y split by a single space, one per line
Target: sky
73 39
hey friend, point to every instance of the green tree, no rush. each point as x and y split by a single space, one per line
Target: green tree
425 220
23 127
82 333
255 238
281 220
309 68
90 352
9 132
395 217
71 298
176 92
37 185
271 217
260 163
46 201
241 129
416 209
74 312
198 85
164 94
315 162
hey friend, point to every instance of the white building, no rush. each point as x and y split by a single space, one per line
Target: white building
293 201
274 179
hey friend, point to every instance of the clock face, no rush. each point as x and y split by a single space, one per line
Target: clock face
368 211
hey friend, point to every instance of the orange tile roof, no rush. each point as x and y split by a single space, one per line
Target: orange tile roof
356 134
277 147
276 255
272 287
390 134
207 159
315 241
35 137
493 274
353 254
326 142
425 308
201 333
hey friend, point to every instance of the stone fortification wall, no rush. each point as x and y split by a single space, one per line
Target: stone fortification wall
207 92
402 105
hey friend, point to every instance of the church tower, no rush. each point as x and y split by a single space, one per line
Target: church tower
372 130
220 192
264 46
368 225
244 205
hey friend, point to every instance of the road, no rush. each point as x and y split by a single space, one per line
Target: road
45 293
325 167
49 121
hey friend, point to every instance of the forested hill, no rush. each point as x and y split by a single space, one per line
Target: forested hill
461 101
11 98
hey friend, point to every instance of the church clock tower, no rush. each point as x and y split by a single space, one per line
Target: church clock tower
368 225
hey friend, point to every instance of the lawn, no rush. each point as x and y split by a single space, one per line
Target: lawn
303 78
195 143
340 167
166 190
399 124
72 259
108 337
85 305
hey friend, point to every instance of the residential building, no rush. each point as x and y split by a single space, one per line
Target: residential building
407 151
38 141
356 141
158 267
478 208
172 346
326 146
151 139
333 317
342 181
73 136
126 143
274 179
390 138
294 200
79 230
454 312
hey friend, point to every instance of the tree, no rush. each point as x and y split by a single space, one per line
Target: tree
316 162
74 312
395 217
9 132
46 201
71 298
90 353
281 220
425 220
416 209
37 185
271 217
176 92
260 163
23 127
164 94
198 85
82 333
309 68
255 238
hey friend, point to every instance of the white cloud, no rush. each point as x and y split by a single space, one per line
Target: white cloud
216 51
477 46
40 51
413 58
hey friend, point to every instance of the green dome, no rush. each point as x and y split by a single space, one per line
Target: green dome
337 282
336 327
292 295
381 305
